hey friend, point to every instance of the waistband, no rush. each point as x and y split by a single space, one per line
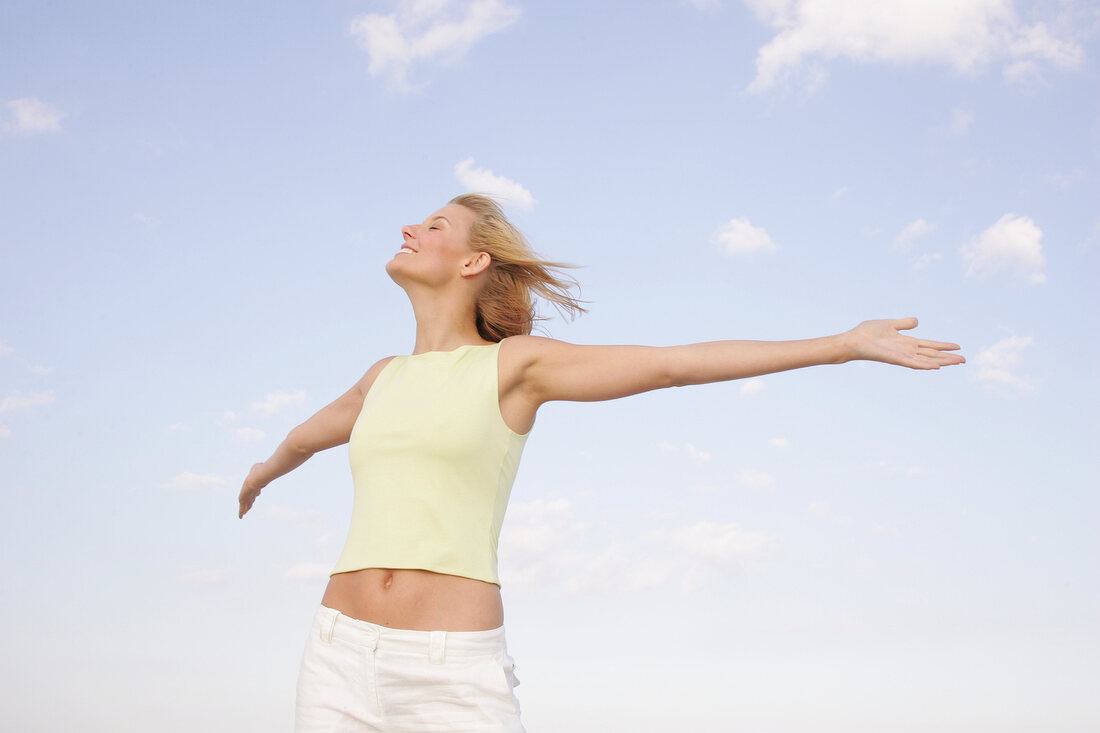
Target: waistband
330 624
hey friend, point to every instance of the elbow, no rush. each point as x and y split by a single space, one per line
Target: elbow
296 442
675 373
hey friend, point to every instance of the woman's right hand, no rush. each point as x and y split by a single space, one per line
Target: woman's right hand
251 489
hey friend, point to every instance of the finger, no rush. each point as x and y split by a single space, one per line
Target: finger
941 358
942 345
904 324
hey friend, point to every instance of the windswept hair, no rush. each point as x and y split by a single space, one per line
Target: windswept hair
506 306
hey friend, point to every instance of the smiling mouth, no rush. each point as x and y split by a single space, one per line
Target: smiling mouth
407 250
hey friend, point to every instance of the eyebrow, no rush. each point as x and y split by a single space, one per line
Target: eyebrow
441 217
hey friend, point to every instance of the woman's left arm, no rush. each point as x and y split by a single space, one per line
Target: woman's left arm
555 370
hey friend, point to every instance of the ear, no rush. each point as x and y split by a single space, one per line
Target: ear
476 264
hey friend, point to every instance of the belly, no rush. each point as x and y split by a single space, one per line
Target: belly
416 599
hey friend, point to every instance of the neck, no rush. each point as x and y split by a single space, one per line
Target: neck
444 321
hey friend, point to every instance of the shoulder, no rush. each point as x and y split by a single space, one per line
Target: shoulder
365 382
526 346
523 357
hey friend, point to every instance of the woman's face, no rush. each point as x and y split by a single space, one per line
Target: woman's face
433 252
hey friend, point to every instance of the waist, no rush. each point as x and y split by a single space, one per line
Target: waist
329 624
417 600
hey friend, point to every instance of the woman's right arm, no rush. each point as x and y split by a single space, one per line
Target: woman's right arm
329 427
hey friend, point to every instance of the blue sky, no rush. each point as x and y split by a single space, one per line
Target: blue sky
198 201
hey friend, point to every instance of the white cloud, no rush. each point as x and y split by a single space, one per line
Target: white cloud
1067 179
840 193
5 432
426 31
740 237
756 480
753 386
961 120
923 261
307 571
19 402
31 117
274 402
1014 243
911 233
698 455
191 575
481 180
997 363
249 434
778 443
966 35
301 517
5 349
179 427
543 546
195 481
42 370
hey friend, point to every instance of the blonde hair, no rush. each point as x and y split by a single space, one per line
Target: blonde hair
505 306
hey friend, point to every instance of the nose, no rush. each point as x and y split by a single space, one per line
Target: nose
408 232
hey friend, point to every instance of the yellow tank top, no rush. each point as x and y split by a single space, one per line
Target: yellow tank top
433 464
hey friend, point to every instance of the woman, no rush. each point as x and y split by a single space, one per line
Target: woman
410 635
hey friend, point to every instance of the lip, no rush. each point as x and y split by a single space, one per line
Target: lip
405 247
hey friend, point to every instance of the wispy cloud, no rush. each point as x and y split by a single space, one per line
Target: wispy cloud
960 121
965 35
274 402
739 237
423 32
906 241
301 517
911 233
1013 243
196 481
779 443
756 480
19 401
699 456
5 349
249 434
482 180
997 363
307 571
30 116
5 432
753 386
544 546
178 427
191 575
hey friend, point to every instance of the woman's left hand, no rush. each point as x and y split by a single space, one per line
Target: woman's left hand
880 341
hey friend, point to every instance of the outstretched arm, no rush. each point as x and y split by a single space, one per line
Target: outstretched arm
329 427
555 370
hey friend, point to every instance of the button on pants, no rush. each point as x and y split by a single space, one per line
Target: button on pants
359 676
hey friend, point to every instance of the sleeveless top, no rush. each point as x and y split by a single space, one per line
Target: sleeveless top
433 464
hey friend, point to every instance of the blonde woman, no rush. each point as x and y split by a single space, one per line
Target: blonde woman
410 632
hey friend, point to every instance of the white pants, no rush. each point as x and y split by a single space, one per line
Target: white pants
359 676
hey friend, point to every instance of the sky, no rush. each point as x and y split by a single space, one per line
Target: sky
197 201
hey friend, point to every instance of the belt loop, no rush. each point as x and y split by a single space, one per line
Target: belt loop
331 629
438 644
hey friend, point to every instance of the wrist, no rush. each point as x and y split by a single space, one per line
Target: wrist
844 348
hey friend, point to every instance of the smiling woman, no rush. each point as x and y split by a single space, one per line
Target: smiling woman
410 632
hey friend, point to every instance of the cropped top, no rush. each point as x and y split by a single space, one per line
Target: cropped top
433 464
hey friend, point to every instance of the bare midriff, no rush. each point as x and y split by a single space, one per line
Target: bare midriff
416 599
